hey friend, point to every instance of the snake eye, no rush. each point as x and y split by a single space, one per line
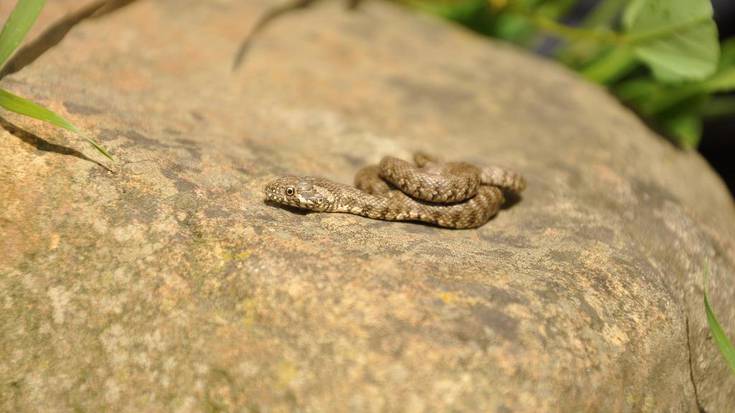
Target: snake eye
289 191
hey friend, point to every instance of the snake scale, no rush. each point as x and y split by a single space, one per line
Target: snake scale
446 194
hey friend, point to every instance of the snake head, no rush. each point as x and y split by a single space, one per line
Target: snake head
299 192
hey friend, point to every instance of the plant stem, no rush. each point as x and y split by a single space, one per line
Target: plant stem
611 66
604 14
570 33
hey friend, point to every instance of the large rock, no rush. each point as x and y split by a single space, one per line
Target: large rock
169 285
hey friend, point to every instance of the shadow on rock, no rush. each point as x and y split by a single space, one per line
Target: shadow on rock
287 208
56 32
44 145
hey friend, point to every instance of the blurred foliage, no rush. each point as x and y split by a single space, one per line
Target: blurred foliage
661 57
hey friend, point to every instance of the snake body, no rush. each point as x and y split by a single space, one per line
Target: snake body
451 195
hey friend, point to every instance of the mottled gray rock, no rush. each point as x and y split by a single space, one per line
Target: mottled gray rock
170 286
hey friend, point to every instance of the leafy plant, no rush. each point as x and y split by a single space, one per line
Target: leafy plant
723 343
661 57
16 27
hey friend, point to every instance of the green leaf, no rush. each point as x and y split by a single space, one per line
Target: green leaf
677 39
513 28
675 110
20 21
727 57
638 91
722 82
719 107
684 127
514 24
652 98
724 79
25 107
723 343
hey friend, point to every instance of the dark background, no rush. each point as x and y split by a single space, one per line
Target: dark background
718 143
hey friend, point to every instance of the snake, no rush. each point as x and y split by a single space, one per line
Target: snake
456 195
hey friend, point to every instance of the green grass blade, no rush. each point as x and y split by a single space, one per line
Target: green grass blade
20 21
723 343
25 107
97 146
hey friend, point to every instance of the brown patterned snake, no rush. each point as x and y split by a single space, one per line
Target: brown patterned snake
451 195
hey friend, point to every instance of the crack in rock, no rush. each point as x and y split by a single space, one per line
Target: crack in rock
691 370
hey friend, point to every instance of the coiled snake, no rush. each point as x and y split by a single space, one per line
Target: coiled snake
451 194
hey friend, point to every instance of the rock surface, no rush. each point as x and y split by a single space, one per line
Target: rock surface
170 286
